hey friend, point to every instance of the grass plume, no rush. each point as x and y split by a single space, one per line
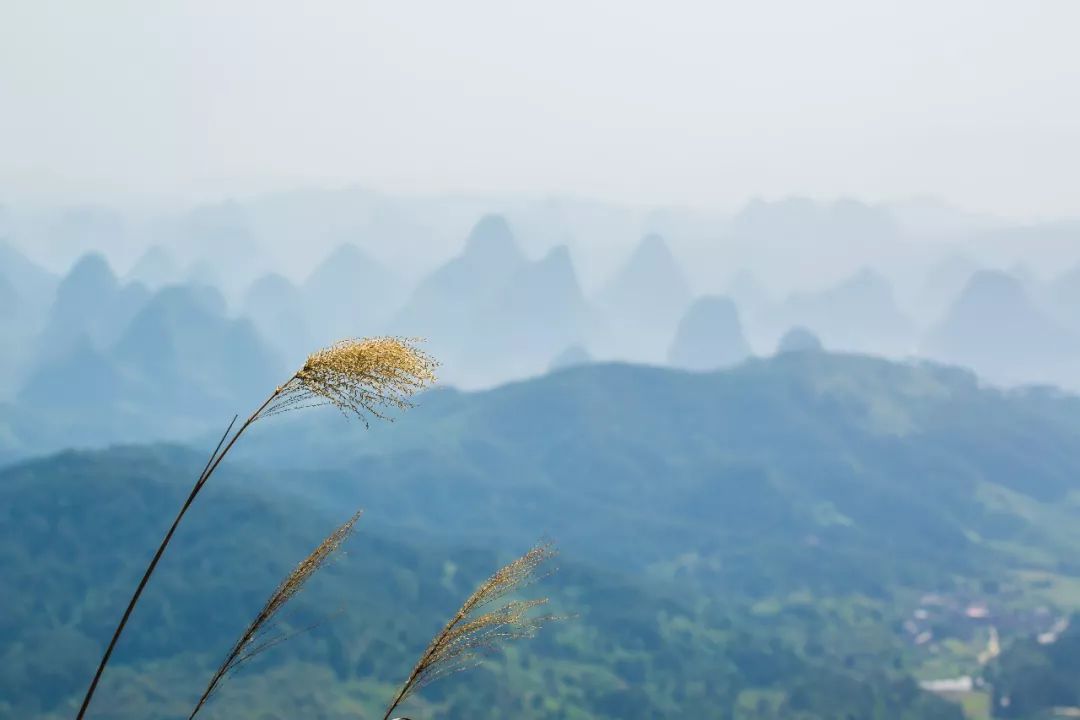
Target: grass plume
476 629
359 377
254 640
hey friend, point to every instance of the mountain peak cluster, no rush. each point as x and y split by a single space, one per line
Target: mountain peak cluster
170 344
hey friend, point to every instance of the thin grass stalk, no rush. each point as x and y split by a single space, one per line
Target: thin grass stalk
473 631
149 571
247 646
358 377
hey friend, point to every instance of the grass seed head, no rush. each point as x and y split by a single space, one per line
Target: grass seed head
476 631
366 377
256 638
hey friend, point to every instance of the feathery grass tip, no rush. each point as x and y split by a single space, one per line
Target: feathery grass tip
475 631
254 640
359 377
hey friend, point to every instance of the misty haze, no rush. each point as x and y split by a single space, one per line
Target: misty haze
752 333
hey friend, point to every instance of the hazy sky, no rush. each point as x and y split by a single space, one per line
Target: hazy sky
702 103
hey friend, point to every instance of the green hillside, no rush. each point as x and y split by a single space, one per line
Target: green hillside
803 537
1036 679
84 521
825 462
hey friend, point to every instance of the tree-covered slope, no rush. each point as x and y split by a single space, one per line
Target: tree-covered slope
79 527
797 537
1036 678
827 462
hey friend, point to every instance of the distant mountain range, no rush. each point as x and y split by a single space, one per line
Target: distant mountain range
709 336
799 238
643 302
349 294
859 314
445 304
154 268
996 326
492 313
114 361
91 304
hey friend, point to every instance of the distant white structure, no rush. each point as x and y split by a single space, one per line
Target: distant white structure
964 683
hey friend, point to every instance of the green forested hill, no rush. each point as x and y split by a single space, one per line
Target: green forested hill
80 525
827 463
1035 679
758 543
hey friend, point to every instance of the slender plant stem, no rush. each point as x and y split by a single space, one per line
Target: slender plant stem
221 671
423 660
211 465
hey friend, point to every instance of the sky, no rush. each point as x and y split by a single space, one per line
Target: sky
686 103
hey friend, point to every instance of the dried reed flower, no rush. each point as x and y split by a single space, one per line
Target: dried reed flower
359 377
472 633
254 640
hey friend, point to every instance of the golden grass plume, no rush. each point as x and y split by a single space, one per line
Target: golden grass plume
360 377
475 630
254 640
